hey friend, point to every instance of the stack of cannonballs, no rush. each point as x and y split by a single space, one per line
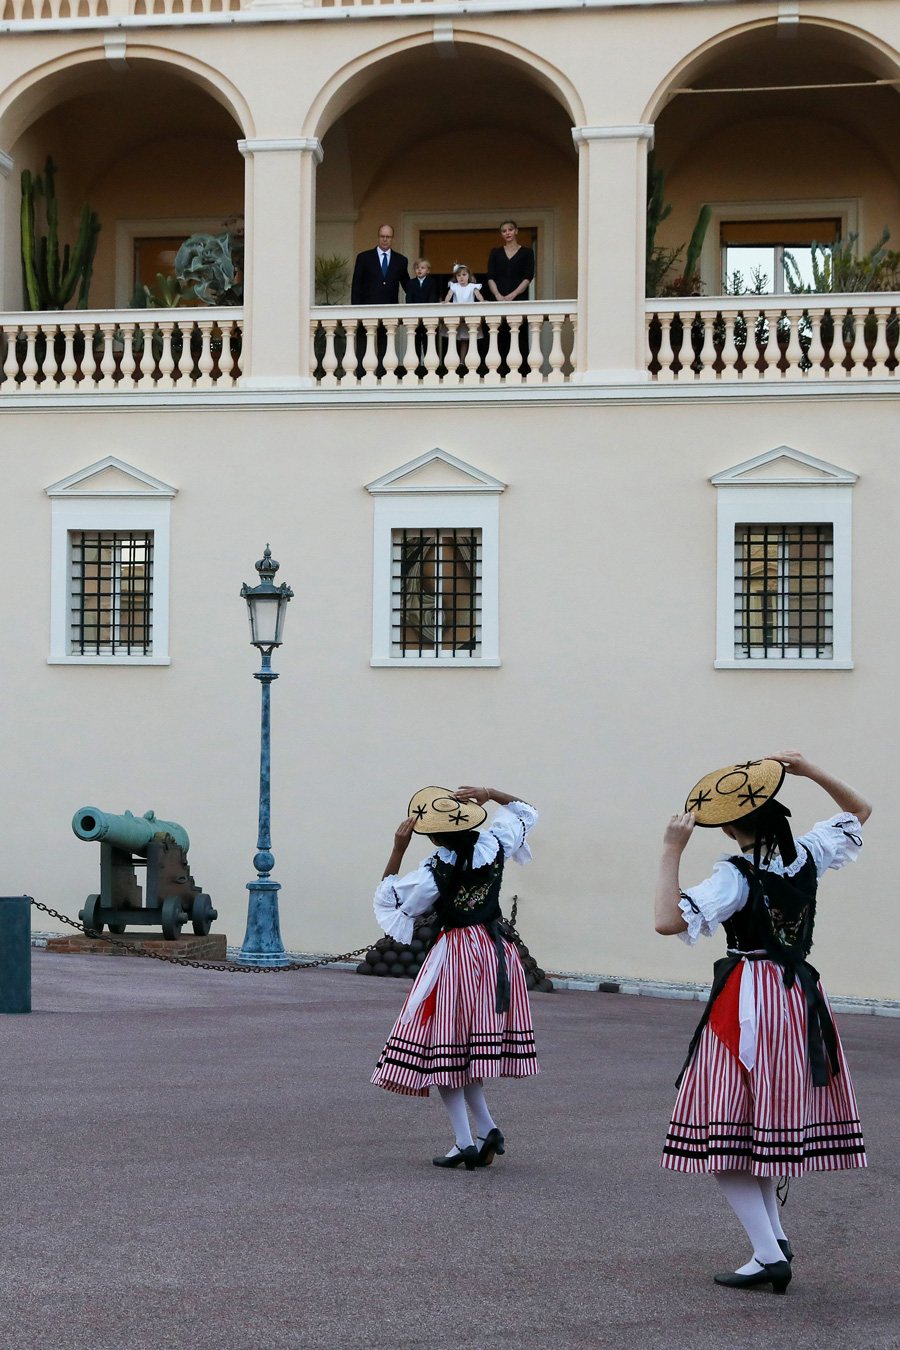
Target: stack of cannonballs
403 960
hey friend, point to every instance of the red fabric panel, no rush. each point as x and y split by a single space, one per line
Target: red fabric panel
724 1020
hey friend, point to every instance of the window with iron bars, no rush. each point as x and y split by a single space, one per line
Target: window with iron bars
111 588
436 593
783 591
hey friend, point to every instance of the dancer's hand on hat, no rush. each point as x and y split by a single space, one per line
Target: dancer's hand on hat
793 762
679 830
472 794
404 833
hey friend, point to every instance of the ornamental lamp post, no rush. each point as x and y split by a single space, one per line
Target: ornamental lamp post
266 606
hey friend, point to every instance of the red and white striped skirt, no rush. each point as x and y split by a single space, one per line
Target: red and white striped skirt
771 1120
453 1035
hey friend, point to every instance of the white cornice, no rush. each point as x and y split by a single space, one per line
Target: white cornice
306 145
393 482
638 131
745 476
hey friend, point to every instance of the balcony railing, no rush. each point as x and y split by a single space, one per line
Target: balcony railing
752 338
443 346
120 351
19 11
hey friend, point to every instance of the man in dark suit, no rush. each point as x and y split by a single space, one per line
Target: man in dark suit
379 272
378 275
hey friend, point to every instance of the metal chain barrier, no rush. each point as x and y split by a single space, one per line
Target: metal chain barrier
231 966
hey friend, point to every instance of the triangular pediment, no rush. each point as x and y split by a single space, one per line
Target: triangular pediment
784 467
435 471
110 477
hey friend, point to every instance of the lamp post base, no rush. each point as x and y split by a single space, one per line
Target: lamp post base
262 943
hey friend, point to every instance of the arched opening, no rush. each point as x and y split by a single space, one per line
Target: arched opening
444 141
790 141
151 150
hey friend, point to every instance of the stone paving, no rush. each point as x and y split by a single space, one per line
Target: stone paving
197 1160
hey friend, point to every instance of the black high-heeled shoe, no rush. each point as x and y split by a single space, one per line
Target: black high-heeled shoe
776 1273
467 1155
493 1144
786 1248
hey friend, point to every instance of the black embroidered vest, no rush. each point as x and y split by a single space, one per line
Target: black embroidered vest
477 900
779 915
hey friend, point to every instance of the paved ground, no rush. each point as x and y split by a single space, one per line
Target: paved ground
196 1160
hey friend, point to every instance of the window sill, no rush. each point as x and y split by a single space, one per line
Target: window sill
108 661
435 662
788 663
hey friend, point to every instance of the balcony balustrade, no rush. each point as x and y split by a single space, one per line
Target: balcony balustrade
120 351
750 338
468 346
24 11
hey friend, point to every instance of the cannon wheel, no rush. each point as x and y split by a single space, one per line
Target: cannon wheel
117 927
202 915
173 916
88 915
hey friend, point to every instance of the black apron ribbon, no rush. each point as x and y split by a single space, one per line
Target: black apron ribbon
496 931
821 1036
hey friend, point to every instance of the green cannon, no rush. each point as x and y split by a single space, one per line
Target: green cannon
126 843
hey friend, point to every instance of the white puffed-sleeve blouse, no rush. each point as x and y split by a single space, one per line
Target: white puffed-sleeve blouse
399 899
830 843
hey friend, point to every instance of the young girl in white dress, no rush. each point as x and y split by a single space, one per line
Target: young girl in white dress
765 1092
467 1016
462 290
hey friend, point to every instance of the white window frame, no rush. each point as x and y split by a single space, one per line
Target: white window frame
712 257
131 501
816 494
401 504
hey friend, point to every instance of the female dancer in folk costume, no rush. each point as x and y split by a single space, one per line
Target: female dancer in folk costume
765 1091
467 1016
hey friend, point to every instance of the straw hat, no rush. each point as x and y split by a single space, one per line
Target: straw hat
438 812
727 795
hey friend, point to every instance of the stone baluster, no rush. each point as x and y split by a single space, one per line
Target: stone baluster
666 355
329 356
882 349
30 366
228 361
205 361
492 356
167 360
370 357
69 365
557 356
729 350
858 349
10 360
391 355
707 354
514 356
794 352
816 351
128 363
432 357
103 375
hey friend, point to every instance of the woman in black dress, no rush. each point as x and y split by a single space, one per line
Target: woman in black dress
510 272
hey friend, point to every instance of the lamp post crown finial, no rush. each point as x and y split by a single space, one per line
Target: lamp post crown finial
267 566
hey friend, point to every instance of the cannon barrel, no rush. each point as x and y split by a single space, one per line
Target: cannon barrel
133 833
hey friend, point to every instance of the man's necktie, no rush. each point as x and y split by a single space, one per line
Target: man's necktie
384 264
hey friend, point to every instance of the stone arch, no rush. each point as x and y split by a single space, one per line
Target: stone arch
355 79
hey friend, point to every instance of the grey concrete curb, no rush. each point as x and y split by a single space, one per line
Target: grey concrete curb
604 984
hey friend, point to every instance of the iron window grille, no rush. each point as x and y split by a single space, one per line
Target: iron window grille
111 587
436 593
783 591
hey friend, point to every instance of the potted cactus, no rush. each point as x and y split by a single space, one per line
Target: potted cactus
50 279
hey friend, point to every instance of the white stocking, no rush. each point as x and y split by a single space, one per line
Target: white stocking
484 1121
455 1102
768 1187
744 1193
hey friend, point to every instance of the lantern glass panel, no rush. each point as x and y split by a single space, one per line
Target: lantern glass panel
266 621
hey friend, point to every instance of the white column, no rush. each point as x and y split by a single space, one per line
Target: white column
279 260
8 238
612 232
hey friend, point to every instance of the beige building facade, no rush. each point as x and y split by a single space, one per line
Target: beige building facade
660 537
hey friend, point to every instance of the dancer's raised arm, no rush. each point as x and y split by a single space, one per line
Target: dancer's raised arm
846 797
402 837
669 918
